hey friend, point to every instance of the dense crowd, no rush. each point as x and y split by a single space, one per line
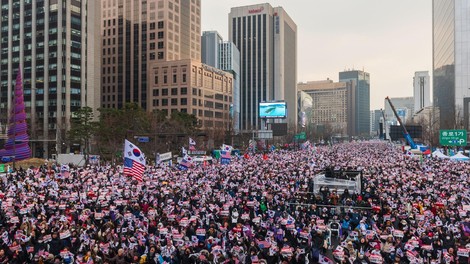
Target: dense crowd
254 210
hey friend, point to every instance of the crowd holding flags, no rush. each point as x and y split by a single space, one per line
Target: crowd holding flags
134 161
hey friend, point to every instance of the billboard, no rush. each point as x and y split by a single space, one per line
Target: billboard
396 132
272 110
279 129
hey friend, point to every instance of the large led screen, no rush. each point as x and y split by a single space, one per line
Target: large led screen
272 110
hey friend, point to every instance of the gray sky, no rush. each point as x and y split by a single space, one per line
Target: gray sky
390 39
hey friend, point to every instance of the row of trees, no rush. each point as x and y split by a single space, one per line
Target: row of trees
107 135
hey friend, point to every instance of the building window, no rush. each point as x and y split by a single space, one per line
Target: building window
160 55
165 79
184 110
152 25
160 44
184 77
164 92
194 91
156 79
160 35
183 101
152 46
174 78
152 55
174 91
155 102
164 102
194 102
152 36
184 90
156 92
208 113
160 24
174 101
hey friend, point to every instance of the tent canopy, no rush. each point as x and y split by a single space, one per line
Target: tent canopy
459 156
439 154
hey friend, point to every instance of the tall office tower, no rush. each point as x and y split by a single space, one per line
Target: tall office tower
267 40
138 33
210 48
421 90
332 105
375 117
224 55
361 126
56 44
451 63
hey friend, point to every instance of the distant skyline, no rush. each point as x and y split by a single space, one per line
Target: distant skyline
389 39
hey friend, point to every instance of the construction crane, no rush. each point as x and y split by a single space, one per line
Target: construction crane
405 132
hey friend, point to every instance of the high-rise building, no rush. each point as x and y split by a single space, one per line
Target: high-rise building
421 90
361 97
180 82
192 87
267 40
224 55
451 62
375 120
56 44
332 105
210 48
138 33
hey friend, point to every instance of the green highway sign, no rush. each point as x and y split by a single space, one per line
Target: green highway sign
453 137
2 167
300 136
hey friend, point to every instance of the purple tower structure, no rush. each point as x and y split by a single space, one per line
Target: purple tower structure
17 145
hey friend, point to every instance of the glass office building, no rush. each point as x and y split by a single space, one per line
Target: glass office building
267 39
361 101
55 43
451 61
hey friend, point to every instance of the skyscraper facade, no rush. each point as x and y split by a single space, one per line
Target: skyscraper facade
56 44
210 48
375 120
421 90
331 104
267 40
138 33
224 55
361 97
192 87
451 62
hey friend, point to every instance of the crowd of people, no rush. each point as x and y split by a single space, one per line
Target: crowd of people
257 209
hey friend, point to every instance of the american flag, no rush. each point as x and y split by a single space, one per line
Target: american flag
185 162
225 155
134 161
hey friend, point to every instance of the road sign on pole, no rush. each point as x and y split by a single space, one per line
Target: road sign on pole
453 137
300 136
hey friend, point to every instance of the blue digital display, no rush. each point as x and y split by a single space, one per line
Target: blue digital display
272 110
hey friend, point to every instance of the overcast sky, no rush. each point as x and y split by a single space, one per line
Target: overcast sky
390 39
